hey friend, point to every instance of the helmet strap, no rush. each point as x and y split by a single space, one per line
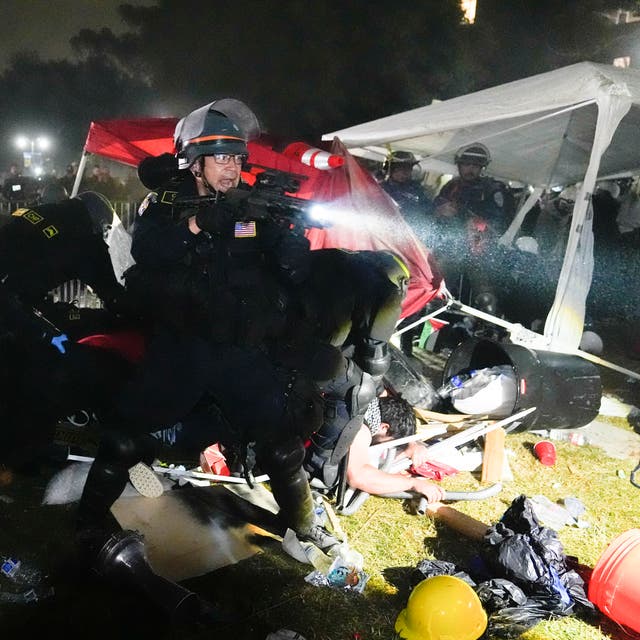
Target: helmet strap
197 168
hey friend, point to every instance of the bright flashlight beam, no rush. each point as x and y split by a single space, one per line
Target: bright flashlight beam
331 214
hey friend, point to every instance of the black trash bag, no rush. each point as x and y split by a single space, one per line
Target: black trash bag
429 568
498 593
512 622
519 549
546 542
520 516
512 556
574 584
510 612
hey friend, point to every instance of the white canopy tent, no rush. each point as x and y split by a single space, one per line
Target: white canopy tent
574 125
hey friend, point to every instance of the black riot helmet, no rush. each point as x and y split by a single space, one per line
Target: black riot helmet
222 126
474 153
400 158
53 192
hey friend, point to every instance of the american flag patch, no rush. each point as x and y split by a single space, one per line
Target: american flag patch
245 229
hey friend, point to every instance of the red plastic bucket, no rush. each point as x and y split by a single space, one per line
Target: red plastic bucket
614 586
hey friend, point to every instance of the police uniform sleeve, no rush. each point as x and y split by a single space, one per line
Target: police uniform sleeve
158 239
501 205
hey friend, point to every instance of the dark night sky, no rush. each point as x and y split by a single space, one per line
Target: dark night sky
45 26
304 87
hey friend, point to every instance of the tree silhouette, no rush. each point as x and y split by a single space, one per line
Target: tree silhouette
306 68
60 99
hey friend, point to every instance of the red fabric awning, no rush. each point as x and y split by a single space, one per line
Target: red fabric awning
130 141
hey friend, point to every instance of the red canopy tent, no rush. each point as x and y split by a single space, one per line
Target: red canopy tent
369 219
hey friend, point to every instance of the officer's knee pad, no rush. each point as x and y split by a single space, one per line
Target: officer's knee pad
360 395
373 357
287 457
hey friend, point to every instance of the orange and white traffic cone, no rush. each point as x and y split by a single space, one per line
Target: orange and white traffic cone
312 156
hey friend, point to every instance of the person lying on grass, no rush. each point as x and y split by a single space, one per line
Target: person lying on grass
388 418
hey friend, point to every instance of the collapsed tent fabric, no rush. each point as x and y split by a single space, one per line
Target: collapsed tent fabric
572 125
367 218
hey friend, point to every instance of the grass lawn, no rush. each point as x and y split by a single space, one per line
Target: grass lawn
393 541
268 591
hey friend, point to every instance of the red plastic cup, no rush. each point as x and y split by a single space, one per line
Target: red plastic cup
545 451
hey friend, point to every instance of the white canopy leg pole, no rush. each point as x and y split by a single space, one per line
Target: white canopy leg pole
507 237
565 321
79 174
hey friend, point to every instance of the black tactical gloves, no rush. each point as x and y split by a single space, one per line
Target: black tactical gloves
217 216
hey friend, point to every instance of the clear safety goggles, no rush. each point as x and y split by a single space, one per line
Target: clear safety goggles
226 158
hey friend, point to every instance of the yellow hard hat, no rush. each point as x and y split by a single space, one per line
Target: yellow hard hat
442 608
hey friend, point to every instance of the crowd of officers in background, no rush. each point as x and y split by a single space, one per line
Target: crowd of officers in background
20 187
461 221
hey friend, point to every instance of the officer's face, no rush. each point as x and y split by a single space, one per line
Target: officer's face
469 171
401 172
221 177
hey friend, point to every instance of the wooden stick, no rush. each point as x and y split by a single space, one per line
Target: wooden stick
427 415
458 521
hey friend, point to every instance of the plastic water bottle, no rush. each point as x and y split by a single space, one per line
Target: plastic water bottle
572 437
455 382
26 597
20 572
479 379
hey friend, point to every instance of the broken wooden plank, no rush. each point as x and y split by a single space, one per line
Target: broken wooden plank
493 456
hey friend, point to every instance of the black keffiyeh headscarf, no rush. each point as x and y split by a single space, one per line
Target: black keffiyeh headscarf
372 417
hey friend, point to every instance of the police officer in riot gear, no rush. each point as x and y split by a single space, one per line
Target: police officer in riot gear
44 245
341 306
45 375
471 212
473 194
370 287
407 193
215 286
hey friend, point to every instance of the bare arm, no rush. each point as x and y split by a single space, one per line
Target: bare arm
417 452
361 474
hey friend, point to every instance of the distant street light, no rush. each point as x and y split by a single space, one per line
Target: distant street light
32 149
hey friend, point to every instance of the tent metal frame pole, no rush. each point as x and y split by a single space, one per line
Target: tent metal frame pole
79 174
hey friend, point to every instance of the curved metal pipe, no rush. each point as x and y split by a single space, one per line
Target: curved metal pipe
481 494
